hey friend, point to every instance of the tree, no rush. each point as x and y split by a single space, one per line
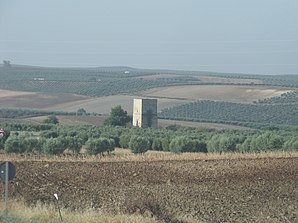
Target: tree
222 143
266 141
139 144
74 144
3 137
53 146
14 144
157 144
52 119
81 111
124 140
199 146
118 117
33 144
99 146
6 63
182 144
291 144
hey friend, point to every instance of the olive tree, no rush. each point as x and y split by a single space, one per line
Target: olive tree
139 144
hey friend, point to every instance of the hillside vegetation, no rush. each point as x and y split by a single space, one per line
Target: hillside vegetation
118 80
58 139
91 82
252 115
238 99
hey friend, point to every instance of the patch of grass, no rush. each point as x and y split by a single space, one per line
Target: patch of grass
20 213
124 155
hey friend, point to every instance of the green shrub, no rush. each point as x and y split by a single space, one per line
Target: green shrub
14 144
157 144
199 146
52 119
34 144
266 142
165 142
124 140
53 146
182 144
222 143
291 144
139 144
99 146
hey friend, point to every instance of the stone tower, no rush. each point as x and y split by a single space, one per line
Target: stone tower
145 113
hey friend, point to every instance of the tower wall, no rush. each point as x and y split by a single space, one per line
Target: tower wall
145 113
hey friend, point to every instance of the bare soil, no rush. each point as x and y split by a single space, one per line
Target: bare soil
238 190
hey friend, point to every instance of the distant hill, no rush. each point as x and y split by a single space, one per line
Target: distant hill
105 81
98 89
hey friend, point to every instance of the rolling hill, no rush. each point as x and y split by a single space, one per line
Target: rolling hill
97 90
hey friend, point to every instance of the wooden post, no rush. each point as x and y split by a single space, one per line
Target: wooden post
6 188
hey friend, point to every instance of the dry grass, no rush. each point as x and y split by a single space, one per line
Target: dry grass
227 80
7 93
124 155
49 213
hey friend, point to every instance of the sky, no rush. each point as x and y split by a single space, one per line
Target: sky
239 36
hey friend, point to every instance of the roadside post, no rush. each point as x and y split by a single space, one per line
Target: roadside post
7 173
58 206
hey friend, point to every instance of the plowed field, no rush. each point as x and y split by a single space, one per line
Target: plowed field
240 190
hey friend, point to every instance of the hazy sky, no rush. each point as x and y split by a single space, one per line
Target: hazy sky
247 36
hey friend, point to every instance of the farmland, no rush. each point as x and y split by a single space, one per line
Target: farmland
241 94
253 115
167 97
195 190
240 168
97 90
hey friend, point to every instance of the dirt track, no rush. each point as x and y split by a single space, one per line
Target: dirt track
247 190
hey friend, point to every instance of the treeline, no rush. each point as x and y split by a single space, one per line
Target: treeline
252 115
267 80
21 113
93 140
285 98
90 82
99 87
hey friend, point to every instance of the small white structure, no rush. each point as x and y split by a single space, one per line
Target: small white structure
145 113
1 132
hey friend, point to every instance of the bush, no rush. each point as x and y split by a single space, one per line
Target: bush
200 146
74 144
4 138
291 144
33 144
52 119
124 140
53 146
245 146
266 141
157 144
182 144
139 144
99 146
222 143
165 142
14 145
